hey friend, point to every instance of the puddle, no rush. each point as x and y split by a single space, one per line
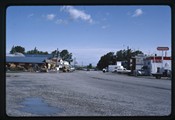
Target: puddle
37 106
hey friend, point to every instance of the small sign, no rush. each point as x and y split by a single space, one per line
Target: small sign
163 48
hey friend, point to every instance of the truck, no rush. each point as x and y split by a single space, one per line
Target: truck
118 68
124 71
112 68
161 72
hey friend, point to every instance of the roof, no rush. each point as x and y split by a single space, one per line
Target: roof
39 55
16 54
17 59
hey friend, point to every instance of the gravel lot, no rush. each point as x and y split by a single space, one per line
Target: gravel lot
86 93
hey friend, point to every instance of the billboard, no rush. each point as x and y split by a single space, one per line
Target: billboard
162 48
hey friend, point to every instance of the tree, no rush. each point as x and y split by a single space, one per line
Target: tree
108 59
65 55
12 50
136 52
17 49
36 51
89 66
55 53
126 55
121 55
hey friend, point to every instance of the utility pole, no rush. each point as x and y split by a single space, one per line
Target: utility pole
74 61
162 58
57 57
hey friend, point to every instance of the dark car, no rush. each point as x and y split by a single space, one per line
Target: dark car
140 72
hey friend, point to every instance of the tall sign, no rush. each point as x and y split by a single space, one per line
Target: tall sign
162 49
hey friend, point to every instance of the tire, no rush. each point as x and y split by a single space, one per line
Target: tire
158 77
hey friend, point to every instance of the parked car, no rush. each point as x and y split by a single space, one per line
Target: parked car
140 72
124 71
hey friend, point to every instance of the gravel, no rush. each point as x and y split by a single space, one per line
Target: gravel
88 93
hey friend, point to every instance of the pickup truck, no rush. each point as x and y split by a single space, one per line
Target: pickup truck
124 71
165 73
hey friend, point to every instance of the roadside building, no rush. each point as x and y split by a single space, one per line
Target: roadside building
149 64
35 62
154 63
19 61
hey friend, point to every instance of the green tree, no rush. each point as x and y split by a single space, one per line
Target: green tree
65 55
55 53
126 55
136 53
89 66
36 51
121 55
17 49
12 50
105 60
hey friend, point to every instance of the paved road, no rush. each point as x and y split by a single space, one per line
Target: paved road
86 93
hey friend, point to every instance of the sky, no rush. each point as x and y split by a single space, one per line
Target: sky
89 32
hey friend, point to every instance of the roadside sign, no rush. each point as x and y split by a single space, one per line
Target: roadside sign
162 48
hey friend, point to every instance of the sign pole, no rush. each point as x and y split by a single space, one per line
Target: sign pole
162 58
162 49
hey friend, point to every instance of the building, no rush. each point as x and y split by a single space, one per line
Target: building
150 64
29 59
154 63
25 61
35 62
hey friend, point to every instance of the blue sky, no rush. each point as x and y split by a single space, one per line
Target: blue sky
89 32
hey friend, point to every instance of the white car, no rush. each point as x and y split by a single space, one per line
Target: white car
124 70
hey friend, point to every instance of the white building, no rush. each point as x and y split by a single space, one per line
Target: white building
150 64
154 63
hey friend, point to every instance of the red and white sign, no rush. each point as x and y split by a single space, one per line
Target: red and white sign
163 48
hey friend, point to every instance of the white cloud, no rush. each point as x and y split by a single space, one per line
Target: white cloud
61 21
77 14
50 16
137 13
30 15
